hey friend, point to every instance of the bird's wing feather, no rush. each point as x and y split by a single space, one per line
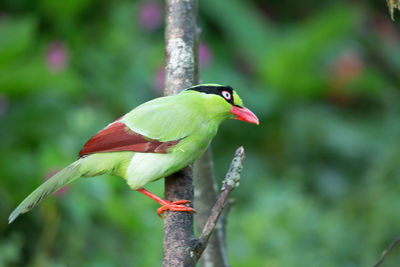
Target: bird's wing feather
167 118
117 136
153 127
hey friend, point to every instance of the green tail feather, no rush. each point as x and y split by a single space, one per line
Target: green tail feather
60 179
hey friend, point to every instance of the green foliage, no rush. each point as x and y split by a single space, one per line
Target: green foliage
321 182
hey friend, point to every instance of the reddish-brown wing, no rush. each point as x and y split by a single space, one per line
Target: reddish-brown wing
118 137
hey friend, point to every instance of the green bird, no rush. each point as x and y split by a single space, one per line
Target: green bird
150 142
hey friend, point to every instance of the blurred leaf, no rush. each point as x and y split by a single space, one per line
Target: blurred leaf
294 63
242 24
16 37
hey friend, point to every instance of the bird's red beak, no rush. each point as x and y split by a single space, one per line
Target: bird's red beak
244 114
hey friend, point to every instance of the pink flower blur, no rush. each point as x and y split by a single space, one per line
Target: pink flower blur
205 55
159 79
346 68
56 56
150 15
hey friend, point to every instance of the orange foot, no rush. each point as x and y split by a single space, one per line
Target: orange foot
174 206
167 205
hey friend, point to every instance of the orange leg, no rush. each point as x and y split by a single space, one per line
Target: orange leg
167 205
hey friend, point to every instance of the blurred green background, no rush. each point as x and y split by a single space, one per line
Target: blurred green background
321 182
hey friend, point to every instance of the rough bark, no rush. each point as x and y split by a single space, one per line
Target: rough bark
205 196
180 73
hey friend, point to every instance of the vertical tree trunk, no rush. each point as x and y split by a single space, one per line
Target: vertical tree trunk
180 72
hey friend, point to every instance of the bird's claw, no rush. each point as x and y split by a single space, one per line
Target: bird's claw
175 206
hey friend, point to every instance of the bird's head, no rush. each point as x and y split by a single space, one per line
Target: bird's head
224 101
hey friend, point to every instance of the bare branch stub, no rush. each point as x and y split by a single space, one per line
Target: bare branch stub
231 181
180 73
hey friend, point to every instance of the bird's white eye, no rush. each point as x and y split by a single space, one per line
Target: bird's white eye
226 95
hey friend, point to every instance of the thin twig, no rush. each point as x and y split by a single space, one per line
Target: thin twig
386 251
231 181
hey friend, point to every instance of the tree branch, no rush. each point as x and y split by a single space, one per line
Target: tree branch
386 251
231 181
180 73
205 195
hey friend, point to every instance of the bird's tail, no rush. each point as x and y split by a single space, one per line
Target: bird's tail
89 166
57 181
